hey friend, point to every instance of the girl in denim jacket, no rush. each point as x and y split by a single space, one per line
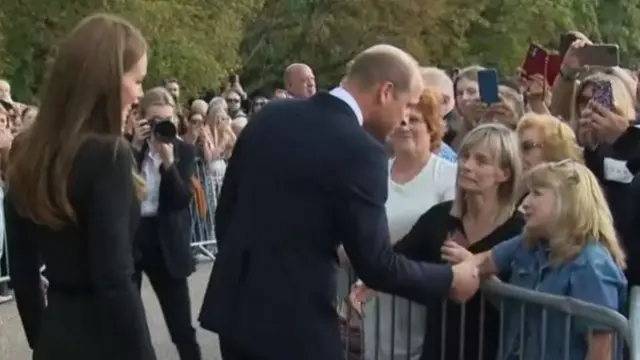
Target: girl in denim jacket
568 248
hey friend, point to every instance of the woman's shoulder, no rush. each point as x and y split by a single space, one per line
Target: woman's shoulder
441 211
516 221
595 255
103 153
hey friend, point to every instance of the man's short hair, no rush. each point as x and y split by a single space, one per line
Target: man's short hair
291 68
381 63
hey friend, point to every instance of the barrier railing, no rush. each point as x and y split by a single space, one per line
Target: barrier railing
502 321
203 238
202 227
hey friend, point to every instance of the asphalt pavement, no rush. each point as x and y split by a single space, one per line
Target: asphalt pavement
13 344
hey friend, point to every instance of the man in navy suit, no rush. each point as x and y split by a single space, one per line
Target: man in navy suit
304 178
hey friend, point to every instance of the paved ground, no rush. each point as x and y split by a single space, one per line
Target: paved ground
13 345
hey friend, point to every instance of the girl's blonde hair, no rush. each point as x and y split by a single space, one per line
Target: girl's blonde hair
158 96
502 144
558 139
623 100
219 123
582 215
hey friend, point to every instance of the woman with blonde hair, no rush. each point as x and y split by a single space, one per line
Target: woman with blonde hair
608 165
163 236
545 138
418 180
568 234
481 215
467 94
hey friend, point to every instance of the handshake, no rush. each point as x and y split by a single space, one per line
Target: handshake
465 283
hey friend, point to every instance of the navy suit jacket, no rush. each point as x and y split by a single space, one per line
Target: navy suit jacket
303 179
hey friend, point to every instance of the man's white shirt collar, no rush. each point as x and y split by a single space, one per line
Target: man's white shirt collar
344 95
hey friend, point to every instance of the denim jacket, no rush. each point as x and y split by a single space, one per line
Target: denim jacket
592 276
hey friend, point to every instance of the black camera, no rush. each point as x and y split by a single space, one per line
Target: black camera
163 129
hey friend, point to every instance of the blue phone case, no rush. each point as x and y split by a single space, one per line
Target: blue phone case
603 94
488 86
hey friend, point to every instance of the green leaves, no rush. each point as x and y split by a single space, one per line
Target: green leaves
201 41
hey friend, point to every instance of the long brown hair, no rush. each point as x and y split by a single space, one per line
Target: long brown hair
82 97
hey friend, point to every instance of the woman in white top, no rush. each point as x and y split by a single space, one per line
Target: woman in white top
418 180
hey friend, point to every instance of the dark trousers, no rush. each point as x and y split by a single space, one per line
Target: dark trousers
229 351
172 293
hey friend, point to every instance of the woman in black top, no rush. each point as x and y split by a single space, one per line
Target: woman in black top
482 215
72 202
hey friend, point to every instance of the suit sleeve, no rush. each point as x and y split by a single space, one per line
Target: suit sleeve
176 185
24 268
362 225
109 200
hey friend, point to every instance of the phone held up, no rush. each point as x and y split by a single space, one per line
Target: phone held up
604 55
543 62
603 94
488 86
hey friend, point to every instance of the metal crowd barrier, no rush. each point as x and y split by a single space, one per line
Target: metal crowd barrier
203 239
450 331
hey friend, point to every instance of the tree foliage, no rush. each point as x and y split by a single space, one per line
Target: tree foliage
193 40
201 41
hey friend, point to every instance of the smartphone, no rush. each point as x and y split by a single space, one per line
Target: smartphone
543 62
606 55
488 86
603 94
565 42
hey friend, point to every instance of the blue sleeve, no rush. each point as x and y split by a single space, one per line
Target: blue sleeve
601 283
504 253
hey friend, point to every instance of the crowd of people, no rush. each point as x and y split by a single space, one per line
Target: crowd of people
402 172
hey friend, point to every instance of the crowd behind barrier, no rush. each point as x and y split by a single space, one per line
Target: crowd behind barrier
202 226
495 294
536 314
203 238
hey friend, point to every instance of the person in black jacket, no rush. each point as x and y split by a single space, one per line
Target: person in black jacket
306 176
163 238
72 202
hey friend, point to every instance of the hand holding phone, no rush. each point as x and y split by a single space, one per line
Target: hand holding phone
603 94
488 86
540 61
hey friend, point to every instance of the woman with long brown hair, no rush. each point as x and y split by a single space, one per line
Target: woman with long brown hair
72 202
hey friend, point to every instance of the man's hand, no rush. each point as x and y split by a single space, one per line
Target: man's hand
359 296
465 281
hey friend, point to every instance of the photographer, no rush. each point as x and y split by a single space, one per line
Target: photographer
163 237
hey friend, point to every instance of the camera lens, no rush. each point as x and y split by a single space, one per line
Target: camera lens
163 130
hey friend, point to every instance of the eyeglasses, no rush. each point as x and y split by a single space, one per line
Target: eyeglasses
529 145
233 101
